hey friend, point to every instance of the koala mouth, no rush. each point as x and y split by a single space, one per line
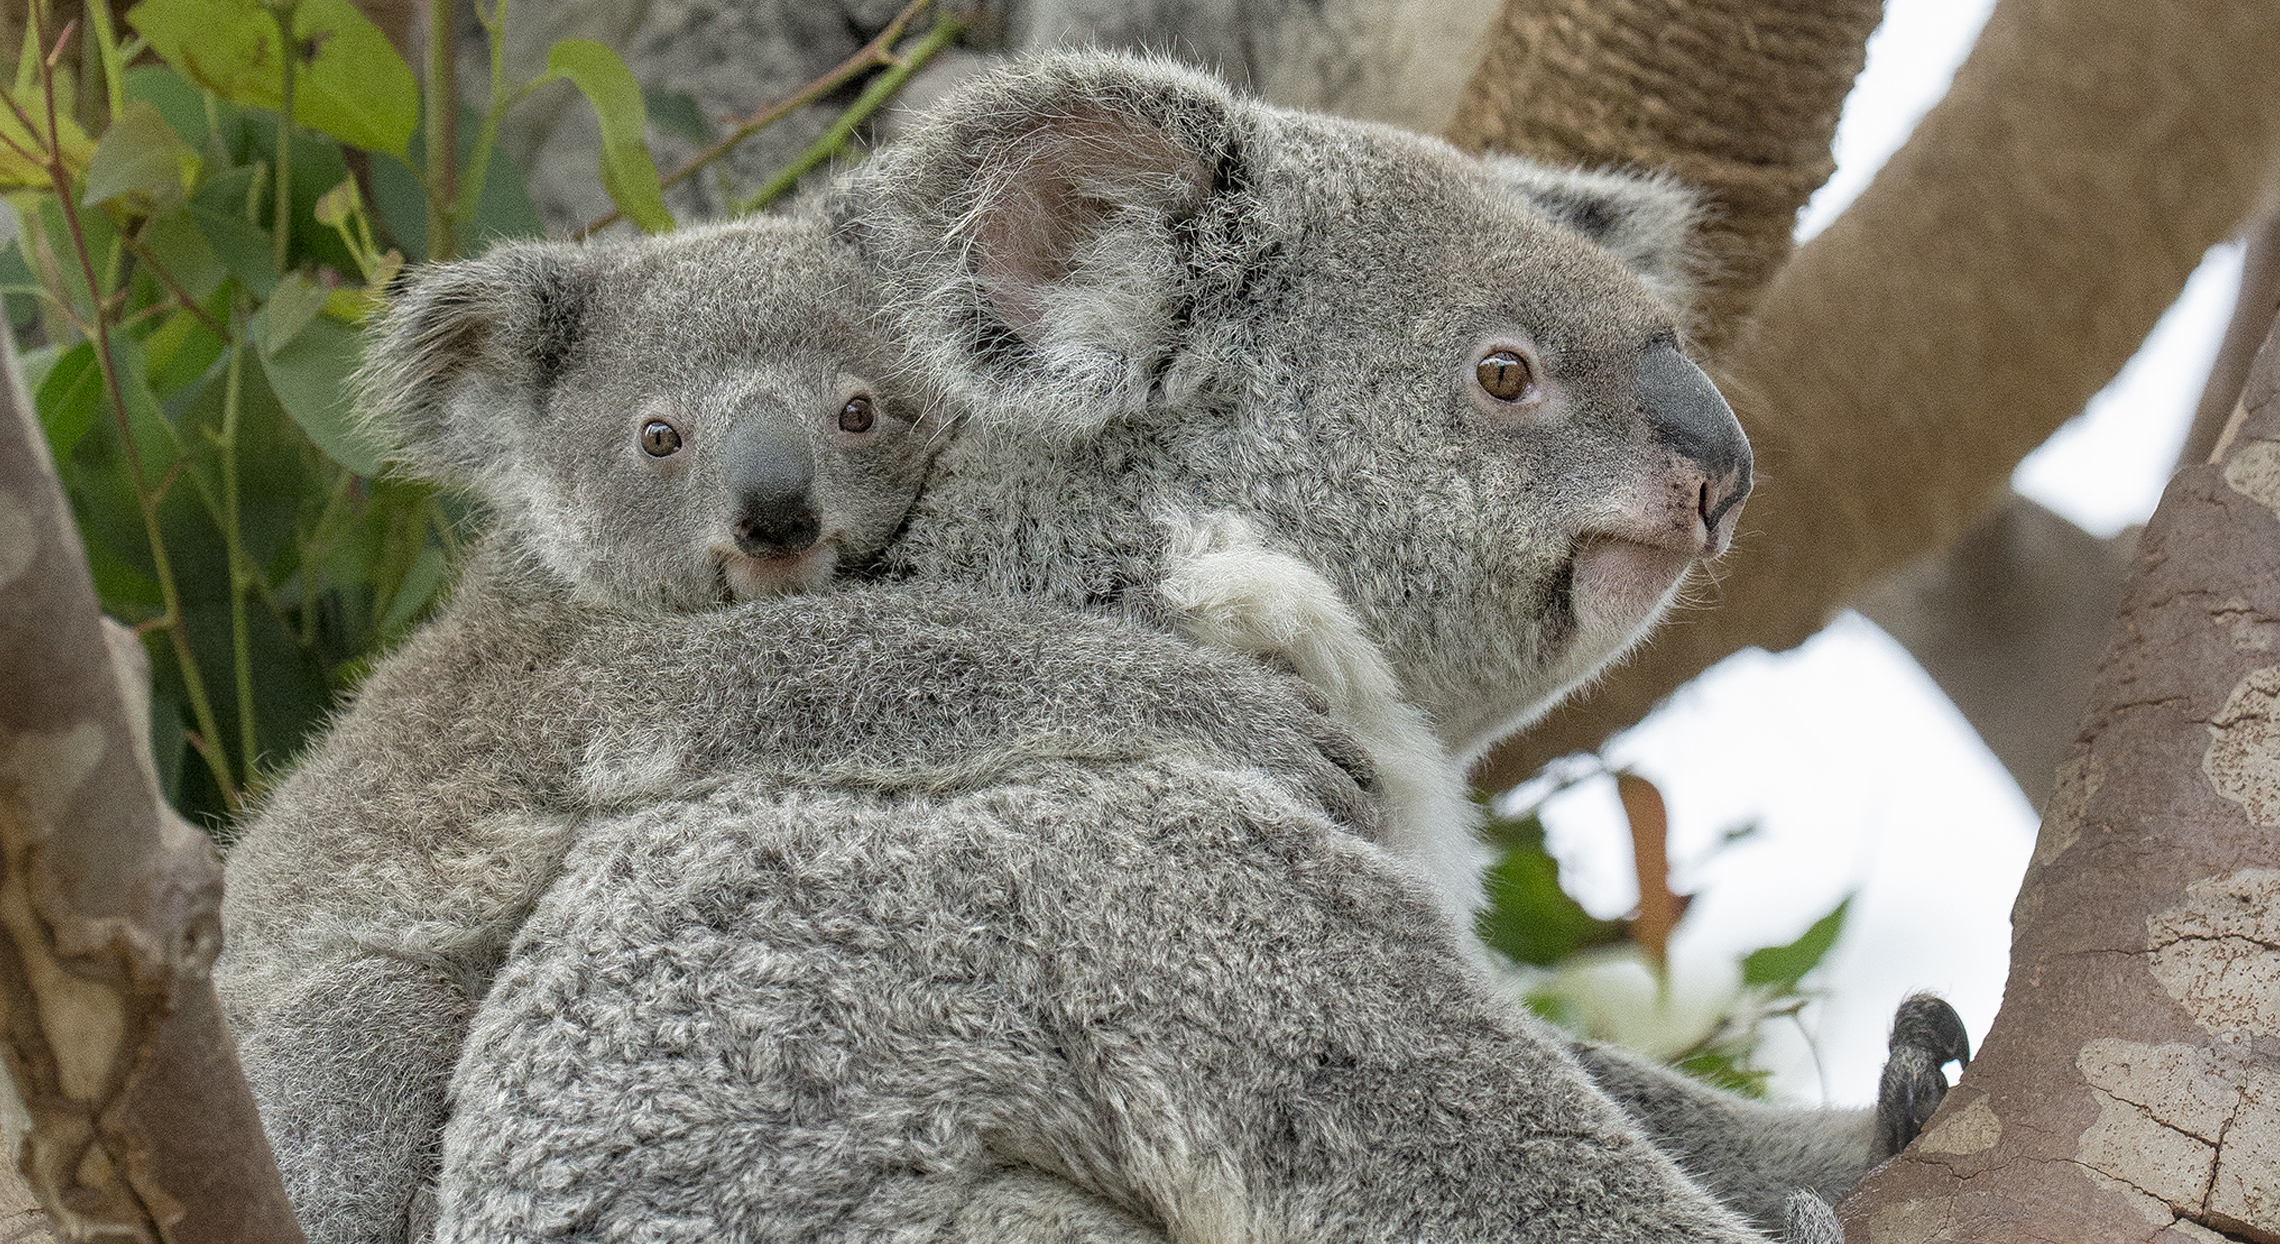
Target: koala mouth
744 577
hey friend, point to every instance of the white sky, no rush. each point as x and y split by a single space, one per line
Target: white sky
1858 772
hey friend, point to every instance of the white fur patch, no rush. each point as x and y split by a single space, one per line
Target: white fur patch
1228 590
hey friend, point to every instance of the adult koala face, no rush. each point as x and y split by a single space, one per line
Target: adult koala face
676 422
1455 386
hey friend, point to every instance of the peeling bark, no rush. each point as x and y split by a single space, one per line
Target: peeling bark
139 1124
1999 270
2130 1087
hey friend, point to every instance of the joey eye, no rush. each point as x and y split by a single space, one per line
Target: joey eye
857 415
1505 375
659 438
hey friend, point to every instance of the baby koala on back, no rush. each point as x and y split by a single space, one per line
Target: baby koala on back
653 434
657 427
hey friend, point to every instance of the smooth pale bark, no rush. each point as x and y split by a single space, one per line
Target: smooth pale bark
1995 275
2130 1087
140 1126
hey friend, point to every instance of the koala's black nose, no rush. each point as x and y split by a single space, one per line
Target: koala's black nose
771 479
1686 413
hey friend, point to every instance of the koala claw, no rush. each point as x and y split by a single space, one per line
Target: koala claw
1927 1034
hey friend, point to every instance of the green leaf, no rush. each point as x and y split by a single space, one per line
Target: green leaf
69 398
628 173
291 306
419 587
1529 917
242 248
310 374
677 113
142 156
1781 967
175 97
350 84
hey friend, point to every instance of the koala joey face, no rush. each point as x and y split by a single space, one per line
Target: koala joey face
674 422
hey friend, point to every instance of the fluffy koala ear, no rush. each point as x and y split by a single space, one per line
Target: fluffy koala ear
1648 221
466 349
1046 234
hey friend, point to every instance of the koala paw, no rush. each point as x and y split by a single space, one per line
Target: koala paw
1807 1219
1927 1035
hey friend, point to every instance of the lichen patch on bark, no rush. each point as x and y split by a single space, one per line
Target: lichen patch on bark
2077 783
2253 471
19 537
1971 1130
2243 760
45 769
2218 952
2129 1144
1909 1222
2180 1085
2244 1194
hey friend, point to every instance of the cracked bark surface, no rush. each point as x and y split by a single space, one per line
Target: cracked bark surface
1996 274
128 1116
2129 1089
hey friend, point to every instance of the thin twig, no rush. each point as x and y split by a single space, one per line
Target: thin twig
874 97
878 52
166 278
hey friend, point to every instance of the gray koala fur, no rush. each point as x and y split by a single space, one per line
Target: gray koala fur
1168 995
373 890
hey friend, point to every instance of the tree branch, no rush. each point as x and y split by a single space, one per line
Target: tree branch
2129 1089
140 1125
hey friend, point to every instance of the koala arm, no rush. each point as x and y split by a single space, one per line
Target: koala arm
1167 990
1757 1157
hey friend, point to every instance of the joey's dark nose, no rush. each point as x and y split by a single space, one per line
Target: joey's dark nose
1686 413
771 483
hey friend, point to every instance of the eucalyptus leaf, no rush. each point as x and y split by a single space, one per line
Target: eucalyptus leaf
1781 967
141 156
242 248
350 84
628 172
292 304
310 374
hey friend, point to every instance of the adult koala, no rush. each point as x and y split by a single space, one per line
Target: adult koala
1170 996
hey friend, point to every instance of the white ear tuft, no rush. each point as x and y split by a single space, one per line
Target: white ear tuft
1648 220
1044 234
502 324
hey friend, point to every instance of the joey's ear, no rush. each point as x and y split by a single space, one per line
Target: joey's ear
465 352
1048 234
1648 221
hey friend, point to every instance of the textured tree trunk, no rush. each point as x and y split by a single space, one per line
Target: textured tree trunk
1738 98
139 1123
1997 273
2130 1087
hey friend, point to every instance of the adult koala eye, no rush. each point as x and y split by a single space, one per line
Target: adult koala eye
1508 376
659 439
857 415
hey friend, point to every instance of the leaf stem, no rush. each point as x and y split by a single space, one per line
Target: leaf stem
289 59
233 544
442 105
107 48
